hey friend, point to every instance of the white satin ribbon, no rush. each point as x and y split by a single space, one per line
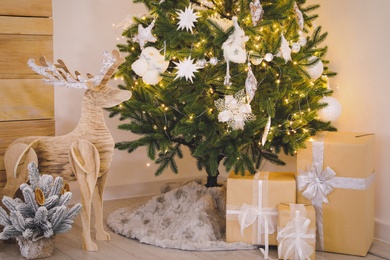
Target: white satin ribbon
316 183
293 238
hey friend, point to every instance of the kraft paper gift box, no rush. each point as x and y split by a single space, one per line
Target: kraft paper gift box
336 174
251 205
296 231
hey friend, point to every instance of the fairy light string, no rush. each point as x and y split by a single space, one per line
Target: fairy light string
293 124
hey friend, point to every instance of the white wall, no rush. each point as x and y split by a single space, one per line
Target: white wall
82 31
359 41
358 50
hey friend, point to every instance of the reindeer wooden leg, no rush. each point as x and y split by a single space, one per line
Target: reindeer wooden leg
85 162
16 159
97 202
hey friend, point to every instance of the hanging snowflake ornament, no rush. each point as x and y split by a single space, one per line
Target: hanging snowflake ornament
299 15
186 68
234 110
234 46
285 50
144 35
187 18
150 65
256 12
250 84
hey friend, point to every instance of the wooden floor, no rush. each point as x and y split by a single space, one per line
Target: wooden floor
68 246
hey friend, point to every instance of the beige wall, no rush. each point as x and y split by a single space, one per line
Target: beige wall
358 43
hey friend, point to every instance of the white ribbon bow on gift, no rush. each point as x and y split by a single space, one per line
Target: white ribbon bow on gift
249 214
316 183
293 238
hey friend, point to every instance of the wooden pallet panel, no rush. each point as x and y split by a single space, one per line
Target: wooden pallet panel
15 51
26 104
26 99
9 131
3 179
26 7
26 25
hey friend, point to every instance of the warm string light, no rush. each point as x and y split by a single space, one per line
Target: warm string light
293 124
278 81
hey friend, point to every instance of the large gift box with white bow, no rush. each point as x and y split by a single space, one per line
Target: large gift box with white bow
296 231
336 174
251 205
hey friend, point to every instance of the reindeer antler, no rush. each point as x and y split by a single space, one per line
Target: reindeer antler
58 75
111 70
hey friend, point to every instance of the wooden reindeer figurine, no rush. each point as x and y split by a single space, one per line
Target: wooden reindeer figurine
84 154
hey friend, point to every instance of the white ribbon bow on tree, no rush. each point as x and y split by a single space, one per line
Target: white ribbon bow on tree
293 239
316 183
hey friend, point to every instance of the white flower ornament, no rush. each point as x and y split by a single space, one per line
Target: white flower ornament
234 110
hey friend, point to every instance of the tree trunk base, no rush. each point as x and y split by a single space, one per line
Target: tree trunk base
212 181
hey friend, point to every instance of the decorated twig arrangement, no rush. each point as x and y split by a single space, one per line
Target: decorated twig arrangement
42 214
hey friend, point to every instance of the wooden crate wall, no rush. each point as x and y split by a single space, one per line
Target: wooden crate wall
26 104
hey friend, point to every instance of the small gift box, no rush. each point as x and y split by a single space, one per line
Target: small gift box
251 205
296 231
335 174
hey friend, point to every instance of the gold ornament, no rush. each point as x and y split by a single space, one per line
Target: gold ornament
39 196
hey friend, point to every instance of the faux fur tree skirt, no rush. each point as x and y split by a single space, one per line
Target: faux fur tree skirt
189 217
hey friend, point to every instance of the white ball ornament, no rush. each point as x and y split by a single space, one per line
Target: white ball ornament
213 61
269 57
201 63
316 70
150 65
332 111
151 77
256 60
140 66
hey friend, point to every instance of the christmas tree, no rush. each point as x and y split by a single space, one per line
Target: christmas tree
235 81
